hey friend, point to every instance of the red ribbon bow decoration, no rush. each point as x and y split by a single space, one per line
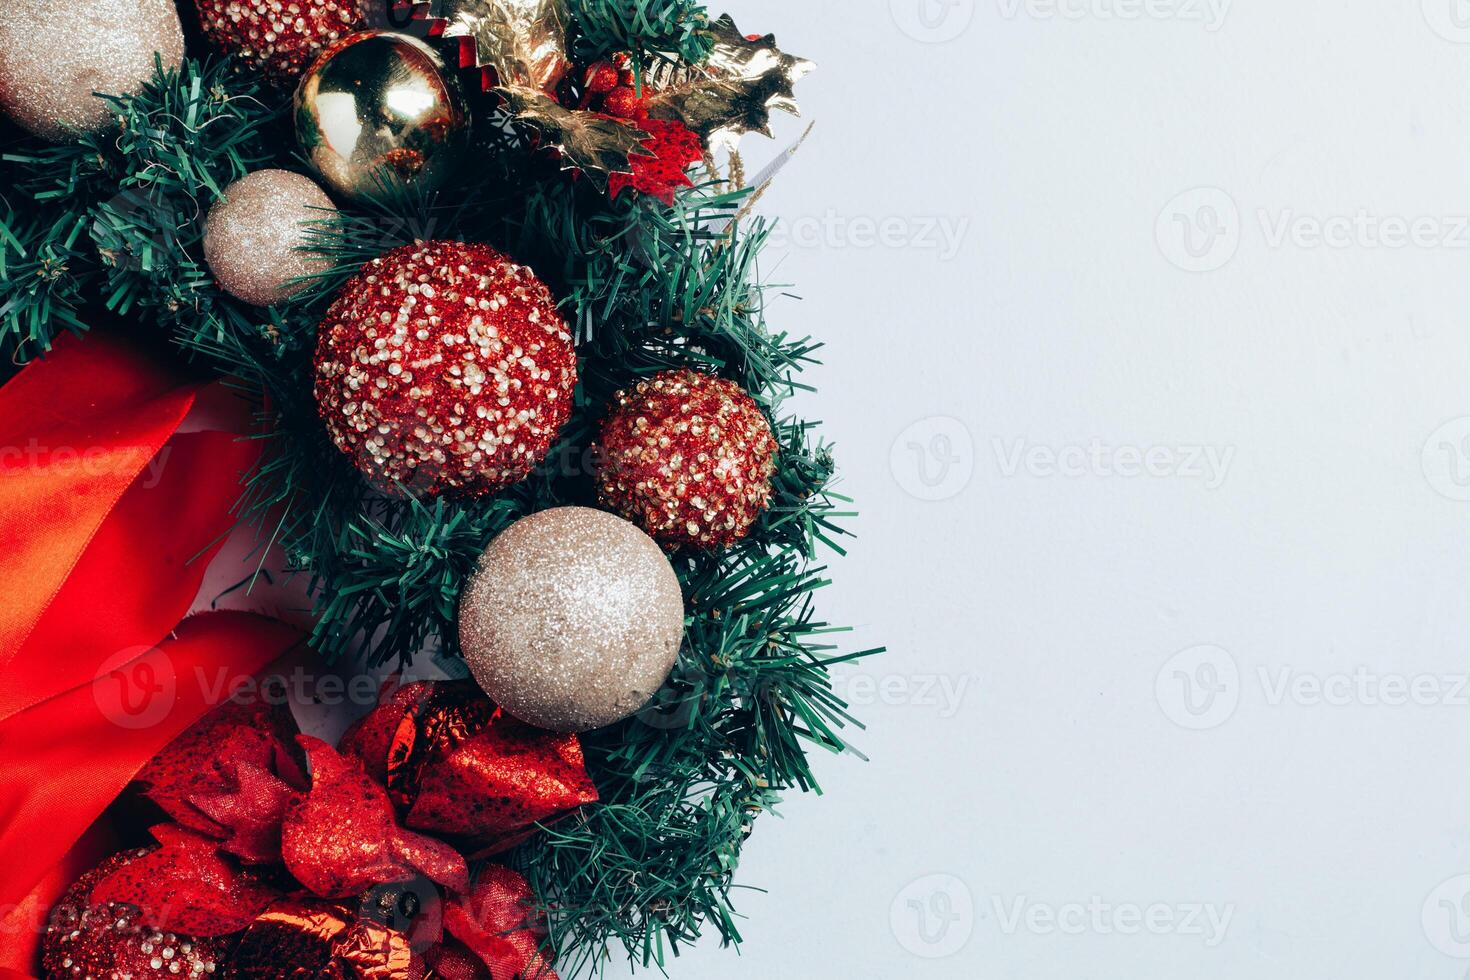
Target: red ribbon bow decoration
109 518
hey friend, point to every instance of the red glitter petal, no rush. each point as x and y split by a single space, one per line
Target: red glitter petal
342 838
498 922
186 886
89 938
201 763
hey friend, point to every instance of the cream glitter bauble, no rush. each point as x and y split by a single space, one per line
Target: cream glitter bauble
54 54
573 619
254 234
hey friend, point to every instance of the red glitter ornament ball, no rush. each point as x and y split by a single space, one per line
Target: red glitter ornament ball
688 457
279 37
444 366
98 942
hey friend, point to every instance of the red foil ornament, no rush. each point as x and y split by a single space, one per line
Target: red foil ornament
457 767
304 939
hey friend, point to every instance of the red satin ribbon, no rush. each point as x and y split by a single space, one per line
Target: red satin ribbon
108 521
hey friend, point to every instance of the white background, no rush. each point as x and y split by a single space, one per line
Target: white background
1077 757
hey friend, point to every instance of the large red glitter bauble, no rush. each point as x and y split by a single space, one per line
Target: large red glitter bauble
688 457
87 941
279 37
445 366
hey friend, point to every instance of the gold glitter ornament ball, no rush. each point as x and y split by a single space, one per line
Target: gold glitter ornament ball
445 366
54 54
573 619
255 235
380 108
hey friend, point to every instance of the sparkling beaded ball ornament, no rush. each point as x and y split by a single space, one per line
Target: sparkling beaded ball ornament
54 56
254 236
278 37
688 457
573 619
98 942
444 366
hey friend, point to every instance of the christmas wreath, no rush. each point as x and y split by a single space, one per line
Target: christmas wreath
451 311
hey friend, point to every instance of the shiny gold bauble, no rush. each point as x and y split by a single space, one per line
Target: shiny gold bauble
573 619
379 109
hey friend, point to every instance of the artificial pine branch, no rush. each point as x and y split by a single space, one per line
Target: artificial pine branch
115 223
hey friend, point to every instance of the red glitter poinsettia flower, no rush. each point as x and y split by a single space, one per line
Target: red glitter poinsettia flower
230 777
187 886
675 148
343 837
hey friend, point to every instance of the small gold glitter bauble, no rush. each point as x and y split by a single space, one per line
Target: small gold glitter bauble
54 54
255 234
573 619
380 108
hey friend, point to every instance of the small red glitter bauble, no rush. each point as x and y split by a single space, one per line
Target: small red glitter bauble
99 942
444 366
279 37
688 457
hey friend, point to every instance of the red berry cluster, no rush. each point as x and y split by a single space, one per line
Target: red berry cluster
673 147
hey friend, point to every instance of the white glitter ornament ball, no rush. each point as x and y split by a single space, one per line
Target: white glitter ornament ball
573 619
254 235
54 54
445 367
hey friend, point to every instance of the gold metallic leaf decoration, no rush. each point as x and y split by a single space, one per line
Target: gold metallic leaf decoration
525 41
595 144
732 93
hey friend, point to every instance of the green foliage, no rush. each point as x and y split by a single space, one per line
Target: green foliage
114 224
113 221
641 27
